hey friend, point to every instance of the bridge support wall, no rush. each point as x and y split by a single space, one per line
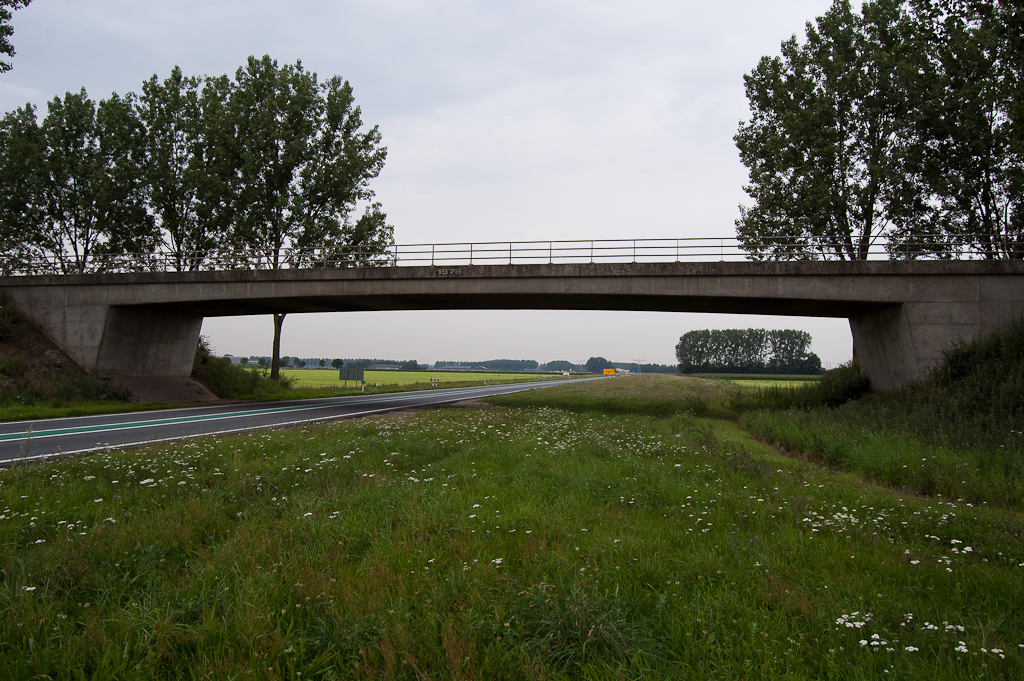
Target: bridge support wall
146 342
113 340
884 348
900 344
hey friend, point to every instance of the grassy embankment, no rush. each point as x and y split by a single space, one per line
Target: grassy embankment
959 435
38 380
598 530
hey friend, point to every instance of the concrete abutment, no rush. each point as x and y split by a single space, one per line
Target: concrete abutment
147 342
885 349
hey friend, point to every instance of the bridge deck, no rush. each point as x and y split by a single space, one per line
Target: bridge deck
903 313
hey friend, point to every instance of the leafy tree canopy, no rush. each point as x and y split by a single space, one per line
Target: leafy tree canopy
72 188
6 30
783 351
895 127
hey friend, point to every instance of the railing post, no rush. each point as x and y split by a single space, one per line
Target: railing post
431 255
550 252
634 250
509 252
471 254
591 251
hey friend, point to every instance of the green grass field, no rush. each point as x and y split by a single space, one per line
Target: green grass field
770 382
762 380
314 378
577 532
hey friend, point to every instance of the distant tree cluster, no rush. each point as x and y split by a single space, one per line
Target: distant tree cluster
899 126
594 365
364 363
560 365
494 364
748 351
320 362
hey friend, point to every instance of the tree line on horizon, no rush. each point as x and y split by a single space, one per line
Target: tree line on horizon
287 361
747 351
593 365
898 127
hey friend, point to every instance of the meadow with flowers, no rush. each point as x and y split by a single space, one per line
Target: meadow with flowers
603 530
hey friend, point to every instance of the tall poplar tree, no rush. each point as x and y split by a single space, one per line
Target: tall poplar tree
21 158
77 191
895 128
822 144
302 167
967 127
187 170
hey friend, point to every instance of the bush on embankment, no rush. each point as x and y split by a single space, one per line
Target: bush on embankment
225 380
959 433
834 388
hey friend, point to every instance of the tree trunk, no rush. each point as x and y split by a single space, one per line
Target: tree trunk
275 361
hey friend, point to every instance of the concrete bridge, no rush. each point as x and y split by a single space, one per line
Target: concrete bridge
903 314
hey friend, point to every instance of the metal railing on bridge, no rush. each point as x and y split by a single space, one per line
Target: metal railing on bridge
574 251
453 254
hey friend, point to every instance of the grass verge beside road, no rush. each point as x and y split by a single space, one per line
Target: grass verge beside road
583 531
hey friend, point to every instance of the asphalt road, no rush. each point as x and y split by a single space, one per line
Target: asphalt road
34 440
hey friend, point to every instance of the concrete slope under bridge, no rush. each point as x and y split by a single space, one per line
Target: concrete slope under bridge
903 314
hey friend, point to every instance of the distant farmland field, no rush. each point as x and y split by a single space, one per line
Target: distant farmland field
763 380
313 378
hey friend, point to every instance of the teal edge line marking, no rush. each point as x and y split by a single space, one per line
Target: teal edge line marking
210 417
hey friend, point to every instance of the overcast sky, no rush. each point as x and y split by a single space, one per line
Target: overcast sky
535 119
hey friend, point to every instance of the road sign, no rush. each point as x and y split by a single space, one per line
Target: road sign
609 372
350 374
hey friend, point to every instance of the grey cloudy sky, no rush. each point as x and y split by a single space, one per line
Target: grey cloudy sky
535 119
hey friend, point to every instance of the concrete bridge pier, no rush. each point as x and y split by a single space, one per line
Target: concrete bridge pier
884 348
147 342
900 343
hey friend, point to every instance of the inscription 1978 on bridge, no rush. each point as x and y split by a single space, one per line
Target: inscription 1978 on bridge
449 271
